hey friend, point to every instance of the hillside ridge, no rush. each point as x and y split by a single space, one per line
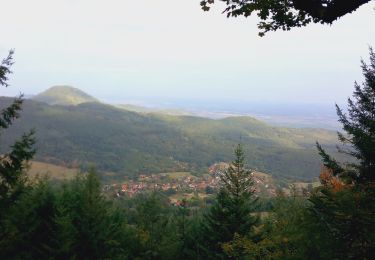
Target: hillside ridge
128 143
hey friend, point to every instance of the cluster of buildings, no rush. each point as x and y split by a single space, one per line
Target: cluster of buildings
185 183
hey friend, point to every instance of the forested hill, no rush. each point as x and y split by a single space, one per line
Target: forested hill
128 143
64 95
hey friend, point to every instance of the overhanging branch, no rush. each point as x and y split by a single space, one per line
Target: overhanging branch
328 11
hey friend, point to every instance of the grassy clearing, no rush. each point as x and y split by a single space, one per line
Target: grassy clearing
52 171
178 175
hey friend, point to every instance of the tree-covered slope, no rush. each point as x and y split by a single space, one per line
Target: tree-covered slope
129 143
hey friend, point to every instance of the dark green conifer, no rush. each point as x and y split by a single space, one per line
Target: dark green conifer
231 212
345 204
88 227
13 163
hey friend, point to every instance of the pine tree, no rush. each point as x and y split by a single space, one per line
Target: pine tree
13 163
345 204
87 226
30 225
156 231
231 213
359 125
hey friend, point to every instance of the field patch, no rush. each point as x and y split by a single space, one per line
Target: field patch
55 172
178 175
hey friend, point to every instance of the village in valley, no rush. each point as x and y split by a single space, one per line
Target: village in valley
180 185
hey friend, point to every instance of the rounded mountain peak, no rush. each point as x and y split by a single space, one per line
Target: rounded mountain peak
64 95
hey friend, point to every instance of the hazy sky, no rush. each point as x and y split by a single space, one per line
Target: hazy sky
121 50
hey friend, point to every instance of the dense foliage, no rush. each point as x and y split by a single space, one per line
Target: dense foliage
286 14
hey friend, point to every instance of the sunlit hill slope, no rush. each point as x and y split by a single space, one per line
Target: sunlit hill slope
73 129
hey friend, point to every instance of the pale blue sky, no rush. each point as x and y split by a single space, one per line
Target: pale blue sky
121 50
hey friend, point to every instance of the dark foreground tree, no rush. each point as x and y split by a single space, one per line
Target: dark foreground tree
359 140
345 204
30 227
285 14
231 213
88 227
12 164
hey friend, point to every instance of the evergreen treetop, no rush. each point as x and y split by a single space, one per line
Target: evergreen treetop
231 212
359 125
237 180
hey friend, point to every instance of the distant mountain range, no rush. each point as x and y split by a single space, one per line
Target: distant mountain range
282 113
75 129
